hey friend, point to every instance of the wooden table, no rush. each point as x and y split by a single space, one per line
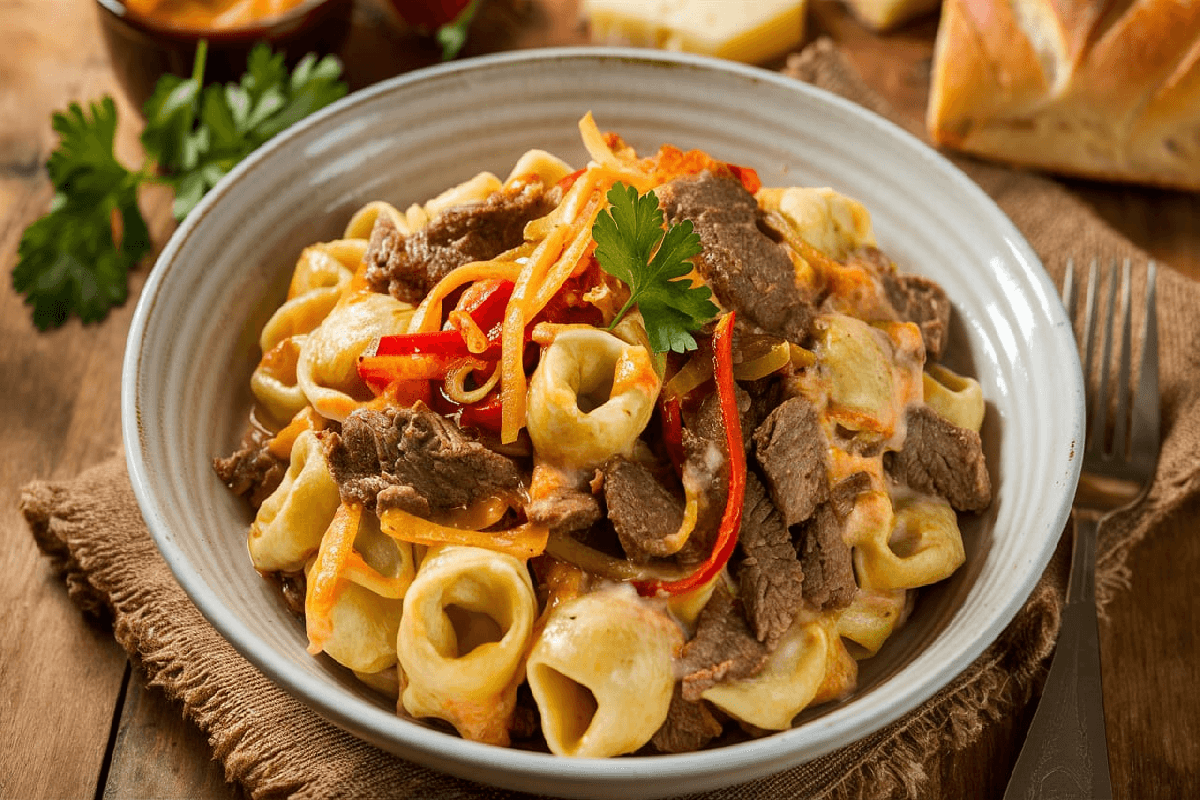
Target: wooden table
74 721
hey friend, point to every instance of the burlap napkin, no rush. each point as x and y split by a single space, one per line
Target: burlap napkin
275 747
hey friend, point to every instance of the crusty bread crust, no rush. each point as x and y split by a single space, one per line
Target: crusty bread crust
1106 89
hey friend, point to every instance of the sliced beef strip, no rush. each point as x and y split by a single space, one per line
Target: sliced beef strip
705 420
920 300
826 559
845 491
793 453
913 297
252 470
409 266
941 458
414 460
565 511
746 267
706 464
642 511
770 578
724 648
688 726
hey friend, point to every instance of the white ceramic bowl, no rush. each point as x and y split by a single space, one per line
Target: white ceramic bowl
193 346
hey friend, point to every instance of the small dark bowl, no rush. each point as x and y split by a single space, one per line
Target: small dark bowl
144 49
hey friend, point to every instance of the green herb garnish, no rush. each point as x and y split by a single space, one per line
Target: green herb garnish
632 246
76 259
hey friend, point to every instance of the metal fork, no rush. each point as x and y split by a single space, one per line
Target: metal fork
1065 753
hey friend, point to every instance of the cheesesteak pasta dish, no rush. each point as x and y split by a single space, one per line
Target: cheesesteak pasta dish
638 457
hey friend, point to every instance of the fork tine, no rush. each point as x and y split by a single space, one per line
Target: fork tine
1089 320
1068 289
1121 418
1099 423
1144 435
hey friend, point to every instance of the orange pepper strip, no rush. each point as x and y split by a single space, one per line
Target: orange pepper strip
325 579
731 520
516 317
524 541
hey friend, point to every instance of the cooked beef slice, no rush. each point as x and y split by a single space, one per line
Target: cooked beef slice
746 267
920 300
845 491
688 726
705 420
826 559
912 298
706 464
765 396
941 458
642 511
409 266
565 511
770 578
724 648
414 460
793 453
252 470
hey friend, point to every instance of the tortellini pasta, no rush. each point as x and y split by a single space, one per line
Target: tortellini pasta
364 618
467 621
327 368
954 397
831 222
274 382
291 521
913 544
809 660
590 397
872 617
602 673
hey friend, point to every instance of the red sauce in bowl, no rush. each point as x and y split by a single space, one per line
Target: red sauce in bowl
209 14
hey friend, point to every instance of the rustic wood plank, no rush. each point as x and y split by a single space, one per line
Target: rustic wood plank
60 414
1149 647
154 755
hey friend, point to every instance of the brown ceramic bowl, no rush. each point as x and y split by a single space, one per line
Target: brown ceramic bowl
143 49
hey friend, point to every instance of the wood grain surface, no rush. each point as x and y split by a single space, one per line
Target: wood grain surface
76 721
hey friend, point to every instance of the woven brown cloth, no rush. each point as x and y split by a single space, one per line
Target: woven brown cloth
275 747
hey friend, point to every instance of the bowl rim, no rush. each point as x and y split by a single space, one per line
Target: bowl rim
256 28
631 769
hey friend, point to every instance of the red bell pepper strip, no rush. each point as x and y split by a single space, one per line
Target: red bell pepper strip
567 181
486 301
486 306
434 343
731 520
672 430
486 413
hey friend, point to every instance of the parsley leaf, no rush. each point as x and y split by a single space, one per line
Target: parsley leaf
631 246
72 260
76 259
197 135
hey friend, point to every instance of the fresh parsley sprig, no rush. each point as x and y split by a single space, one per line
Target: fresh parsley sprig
632 246
76 259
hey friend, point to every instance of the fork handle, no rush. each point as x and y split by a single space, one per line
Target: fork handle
1065 754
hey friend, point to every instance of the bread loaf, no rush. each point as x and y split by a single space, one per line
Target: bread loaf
1108 89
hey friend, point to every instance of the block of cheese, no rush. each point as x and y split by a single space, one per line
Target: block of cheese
1104 90
883 15
738 30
